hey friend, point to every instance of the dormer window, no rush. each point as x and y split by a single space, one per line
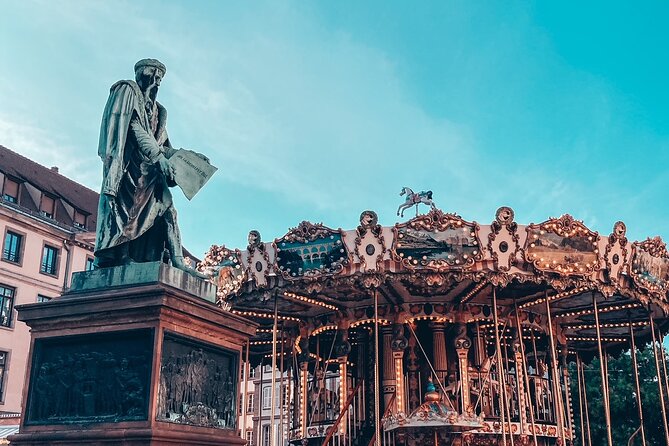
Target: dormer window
10 191
46 206
79 220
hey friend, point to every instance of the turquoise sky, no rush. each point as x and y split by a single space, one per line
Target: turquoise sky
319 110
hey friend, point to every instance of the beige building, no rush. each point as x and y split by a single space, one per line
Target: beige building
47 225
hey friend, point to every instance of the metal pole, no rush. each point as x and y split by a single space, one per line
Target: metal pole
245 395
567 393
663 361
499 363
525 372
580 398
377 389
605 387
273 379
282 391
260 403
507 401
659 380
636 383
557 391
585 404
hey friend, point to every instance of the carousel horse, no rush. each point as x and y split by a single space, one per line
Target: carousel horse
414 199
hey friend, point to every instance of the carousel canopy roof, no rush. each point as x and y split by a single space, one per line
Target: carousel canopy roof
440 266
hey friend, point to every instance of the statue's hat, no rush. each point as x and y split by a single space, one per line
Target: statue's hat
155 63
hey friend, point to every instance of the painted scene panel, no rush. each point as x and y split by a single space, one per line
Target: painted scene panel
576 254
326 255
651 271
454 246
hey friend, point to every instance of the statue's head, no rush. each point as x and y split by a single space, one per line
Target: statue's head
148 74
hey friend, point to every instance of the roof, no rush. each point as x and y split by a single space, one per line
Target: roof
51 182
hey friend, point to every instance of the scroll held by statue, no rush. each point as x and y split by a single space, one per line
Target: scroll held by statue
191 171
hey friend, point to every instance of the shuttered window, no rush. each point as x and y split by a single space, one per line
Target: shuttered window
10 191
46 206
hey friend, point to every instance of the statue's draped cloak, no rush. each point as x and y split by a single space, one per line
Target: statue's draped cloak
135 197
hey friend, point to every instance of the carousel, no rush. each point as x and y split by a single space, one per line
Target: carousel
442 331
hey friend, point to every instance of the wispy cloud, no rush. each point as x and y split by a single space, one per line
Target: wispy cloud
44 148
309 120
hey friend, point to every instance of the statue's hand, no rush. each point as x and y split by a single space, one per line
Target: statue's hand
166 168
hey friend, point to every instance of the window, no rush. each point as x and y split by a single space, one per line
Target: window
10 191
90 264
41 298
266 397
267 369
249 437
249 403
252 372
79 220
49 263
6 305
265 435
11 251
46 206
3 371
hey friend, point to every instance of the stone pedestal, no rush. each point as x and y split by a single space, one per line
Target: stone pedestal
134 355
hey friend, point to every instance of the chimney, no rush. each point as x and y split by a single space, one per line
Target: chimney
54 169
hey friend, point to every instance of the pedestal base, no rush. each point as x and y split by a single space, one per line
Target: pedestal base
141 364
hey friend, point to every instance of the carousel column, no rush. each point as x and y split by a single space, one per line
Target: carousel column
520 377
462 345
389 383
362 336
413 375
341 350
569 413
399 344
439 351
303 360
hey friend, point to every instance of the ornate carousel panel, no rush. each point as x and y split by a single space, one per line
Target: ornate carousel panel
224 268
562 245
650 266
311 250
437 241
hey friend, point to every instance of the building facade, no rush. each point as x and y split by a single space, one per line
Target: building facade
47 225
258 417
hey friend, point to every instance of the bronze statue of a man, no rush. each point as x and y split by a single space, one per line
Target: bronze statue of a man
137 221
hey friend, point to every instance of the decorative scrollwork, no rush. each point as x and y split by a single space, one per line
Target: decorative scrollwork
615 253
500 248
437 241
257 264
369 224
307 232
224 269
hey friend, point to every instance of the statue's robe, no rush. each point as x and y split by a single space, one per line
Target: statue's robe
135 208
